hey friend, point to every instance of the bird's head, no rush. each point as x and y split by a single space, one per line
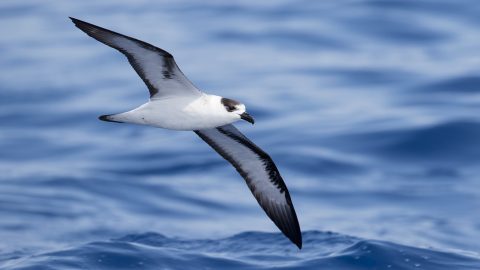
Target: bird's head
236 109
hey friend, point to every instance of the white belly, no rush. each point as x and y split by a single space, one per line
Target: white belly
178 114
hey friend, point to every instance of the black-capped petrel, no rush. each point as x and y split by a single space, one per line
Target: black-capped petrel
175 103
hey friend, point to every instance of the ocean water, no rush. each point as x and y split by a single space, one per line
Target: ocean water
369 108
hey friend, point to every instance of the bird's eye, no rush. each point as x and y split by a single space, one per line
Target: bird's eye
229 104
230 108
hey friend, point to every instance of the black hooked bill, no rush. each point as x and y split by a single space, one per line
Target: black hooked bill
247 117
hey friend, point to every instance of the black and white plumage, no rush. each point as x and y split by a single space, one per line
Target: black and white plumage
156 67
175 103
260 174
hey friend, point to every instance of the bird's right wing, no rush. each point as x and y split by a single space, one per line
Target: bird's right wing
156 67
260 174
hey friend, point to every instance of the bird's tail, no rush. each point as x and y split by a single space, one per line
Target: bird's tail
111 118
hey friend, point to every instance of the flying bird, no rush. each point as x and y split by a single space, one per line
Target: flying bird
176 104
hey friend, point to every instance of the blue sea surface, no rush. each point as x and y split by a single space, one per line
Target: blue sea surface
370 109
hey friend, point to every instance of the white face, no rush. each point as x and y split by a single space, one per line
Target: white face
223 110
236 109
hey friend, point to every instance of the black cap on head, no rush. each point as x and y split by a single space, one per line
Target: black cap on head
229 104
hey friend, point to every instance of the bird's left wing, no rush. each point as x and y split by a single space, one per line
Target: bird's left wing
260 174
155 66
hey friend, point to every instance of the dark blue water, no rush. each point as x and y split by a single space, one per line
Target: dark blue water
369 108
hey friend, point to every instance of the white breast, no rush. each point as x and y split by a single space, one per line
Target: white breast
180 113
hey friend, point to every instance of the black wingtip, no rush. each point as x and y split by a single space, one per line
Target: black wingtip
79 23
292 229
82 24
298 243
296 238
74 20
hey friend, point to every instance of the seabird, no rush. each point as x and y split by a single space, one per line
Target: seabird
175 103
